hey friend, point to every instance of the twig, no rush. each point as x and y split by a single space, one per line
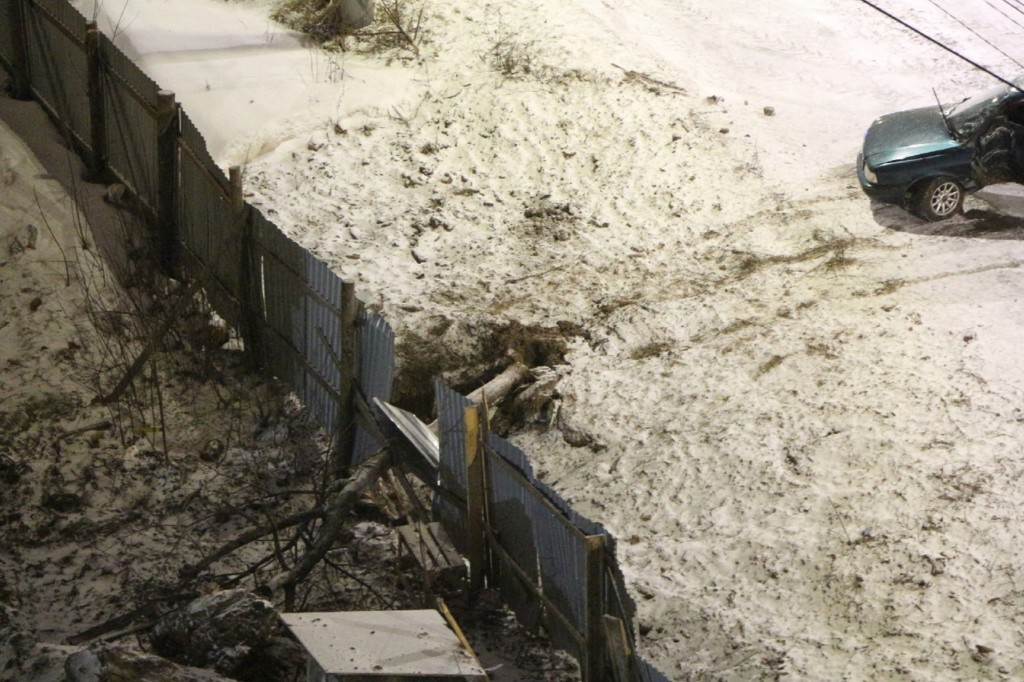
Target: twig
515 280
125 619
251 536
849 541
154 342
647 79
95 426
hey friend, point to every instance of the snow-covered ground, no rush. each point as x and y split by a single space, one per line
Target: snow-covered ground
800 413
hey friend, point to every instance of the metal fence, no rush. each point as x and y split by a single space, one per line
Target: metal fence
552 566
304 326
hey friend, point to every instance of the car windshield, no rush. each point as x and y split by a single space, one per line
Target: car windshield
967 116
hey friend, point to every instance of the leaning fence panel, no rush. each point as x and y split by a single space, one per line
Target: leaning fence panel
131 123
57 64
376 373
451 511
508 514
562 555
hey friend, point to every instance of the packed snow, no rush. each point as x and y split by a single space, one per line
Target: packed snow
800 413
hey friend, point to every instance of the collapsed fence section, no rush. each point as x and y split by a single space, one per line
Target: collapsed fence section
552 566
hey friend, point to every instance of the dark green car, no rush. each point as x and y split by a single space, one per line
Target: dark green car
926 159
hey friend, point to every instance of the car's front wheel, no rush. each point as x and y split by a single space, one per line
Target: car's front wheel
939 198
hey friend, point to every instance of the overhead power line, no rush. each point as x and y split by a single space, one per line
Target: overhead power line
1005 15
983 38
942 45
1016 5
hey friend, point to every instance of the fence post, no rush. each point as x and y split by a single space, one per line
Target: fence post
168 132
97 105
475 502
346 437
19 23
594 671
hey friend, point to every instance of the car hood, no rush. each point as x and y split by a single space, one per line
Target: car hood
907 134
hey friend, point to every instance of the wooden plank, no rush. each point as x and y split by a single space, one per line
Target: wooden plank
430 547
451 555
420 544
618 650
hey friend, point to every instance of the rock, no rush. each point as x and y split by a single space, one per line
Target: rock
219 630
769 111
116 663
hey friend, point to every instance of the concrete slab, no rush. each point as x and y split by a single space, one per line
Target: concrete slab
402 644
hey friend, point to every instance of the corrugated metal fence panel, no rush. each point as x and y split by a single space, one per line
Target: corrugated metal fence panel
376 372
208 226
7 37
510 501
451 431
301 304
277 259
130 98
562 555
512 455
617 601
322 348
540 537
57 62
192 224
323 340
451 434
196 144
509 504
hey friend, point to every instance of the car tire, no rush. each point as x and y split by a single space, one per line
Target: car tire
939 198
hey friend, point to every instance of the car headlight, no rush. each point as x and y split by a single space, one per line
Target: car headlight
870 174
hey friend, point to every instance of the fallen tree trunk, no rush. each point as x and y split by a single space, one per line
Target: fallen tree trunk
498 387
501 385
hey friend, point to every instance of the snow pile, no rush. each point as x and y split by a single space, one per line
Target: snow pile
798 412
